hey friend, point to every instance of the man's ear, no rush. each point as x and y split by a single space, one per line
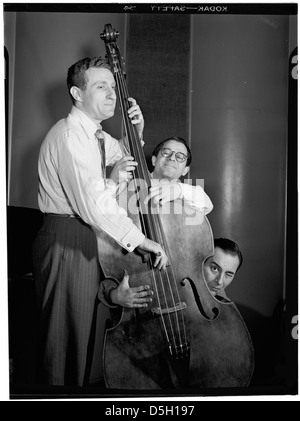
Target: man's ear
185 171
153 160
76 93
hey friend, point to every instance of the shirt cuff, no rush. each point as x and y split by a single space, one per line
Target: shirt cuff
132 239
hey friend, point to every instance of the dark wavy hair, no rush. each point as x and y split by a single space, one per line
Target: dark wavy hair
229 246
177 139
77 72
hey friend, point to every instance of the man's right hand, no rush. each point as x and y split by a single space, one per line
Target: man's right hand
149 246
123 169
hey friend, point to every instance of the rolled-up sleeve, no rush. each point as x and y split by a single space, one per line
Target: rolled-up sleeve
105 288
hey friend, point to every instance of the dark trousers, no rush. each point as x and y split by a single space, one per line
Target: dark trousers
67 274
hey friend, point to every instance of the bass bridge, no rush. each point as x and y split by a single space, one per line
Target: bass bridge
158 311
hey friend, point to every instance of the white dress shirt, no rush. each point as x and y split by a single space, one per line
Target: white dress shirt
71 181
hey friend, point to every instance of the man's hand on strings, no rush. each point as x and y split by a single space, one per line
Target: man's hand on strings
136 116
134 297
148 246
123 169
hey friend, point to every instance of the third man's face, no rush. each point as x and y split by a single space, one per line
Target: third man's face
220 269
99 97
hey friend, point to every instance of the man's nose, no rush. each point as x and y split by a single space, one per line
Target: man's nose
111 93
172 156
220 279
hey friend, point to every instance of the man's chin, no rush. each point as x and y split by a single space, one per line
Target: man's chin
108 115
169 174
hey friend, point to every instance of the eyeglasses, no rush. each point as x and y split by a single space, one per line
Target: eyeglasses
179 156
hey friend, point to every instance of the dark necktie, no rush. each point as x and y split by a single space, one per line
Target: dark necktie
100 138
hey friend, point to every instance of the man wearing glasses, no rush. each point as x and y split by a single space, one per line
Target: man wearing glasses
171 160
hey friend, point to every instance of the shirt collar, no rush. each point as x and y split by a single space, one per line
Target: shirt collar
86 122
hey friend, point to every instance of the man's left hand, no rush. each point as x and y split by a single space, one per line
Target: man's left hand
136 116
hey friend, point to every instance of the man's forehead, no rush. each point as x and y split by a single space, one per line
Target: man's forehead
100 74
176 146
226 260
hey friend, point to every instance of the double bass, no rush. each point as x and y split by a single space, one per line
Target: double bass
186 338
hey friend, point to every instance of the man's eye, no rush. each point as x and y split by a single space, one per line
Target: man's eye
214 268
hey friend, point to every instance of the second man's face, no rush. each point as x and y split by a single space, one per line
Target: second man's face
170 168
99 97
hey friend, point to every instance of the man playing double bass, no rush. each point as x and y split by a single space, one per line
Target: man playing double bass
78 201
